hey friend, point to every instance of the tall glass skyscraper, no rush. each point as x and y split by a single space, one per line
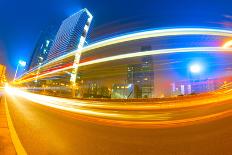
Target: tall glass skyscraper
42 47
72 34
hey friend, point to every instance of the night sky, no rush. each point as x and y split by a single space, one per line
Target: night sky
22 20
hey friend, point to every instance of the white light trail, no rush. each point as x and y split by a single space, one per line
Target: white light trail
156 52
142 35
140 54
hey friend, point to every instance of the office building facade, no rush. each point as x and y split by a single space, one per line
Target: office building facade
71 34
42 47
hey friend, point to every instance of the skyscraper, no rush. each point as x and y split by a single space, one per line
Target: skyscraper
42 47
72 34
142 77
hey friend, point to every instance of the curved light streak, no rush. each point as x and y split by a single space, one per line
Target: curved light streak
142 35
139 54
156 52
54 103
228 44
159 33
103 114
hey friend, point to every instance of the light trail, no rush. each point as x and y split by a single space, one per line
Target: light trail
159 33
134 115
156 52
128 117
54 103
138 54
228 44
172 103
142 35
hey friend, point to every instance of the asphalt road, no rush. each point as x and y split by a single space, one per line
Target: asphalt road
6 145
45 131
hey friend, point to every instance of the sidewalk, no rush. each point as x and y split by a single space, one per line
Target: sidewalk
6 145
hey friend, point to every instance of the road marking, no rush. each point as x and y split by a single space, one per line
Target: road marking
14 136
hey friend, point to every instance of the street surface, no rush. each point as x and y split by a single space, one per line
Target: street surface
44 130
6 145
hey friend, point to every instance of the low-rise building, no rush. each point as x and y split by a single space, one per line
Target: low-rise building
2 74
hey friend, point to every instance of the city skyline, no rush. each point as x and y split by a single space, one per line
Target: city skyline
151 61
111 25
115 77
71 36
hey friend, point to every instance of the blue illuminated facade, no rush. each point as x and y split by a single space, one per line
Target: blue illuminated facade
72 34
42 47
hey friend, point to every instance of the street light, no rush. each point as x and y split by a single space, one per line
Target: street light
195 68
20 63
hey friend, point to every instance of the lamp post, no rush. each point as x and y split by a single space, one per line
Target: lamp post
20 63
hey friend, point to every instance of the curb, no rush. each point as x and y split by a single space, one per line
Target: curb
15 139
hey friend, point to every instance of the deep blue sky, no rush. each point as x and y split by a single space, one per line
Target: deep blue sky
22 20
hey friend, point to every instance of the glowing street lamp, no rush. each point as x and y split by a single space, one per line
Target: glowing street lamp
195 68
20 63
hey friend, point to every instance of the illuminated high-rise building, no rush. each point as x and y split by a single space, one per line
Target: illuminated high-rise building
72 34
142 77
42 47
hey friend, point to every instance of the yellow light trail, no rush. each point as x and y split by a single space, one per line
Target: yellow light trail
55 102
138 54
228 44
169 104
142 35
129 117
